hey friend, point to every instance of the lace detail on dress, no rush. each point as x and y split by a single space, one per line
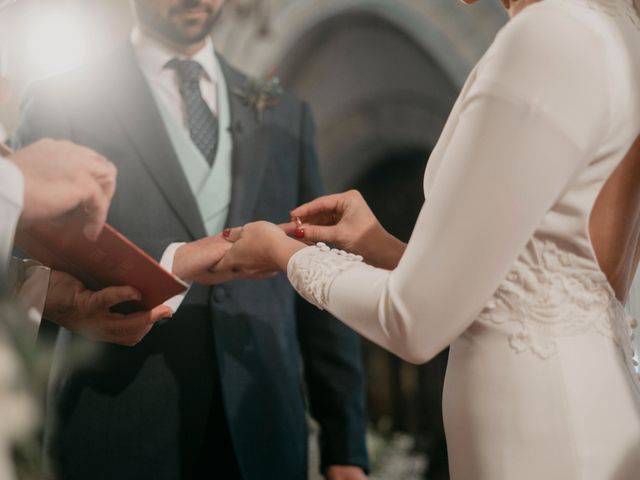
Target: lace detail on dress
312 271
615 8
549 297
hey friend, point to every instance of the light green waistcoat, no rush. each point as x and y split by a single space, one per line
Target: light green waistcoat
211 186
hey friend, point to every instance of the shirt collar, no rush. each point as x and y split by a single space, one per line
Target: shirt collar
153 56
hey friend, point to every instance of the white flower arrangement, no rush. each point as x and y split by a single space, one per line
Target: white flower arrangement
19 412
21 381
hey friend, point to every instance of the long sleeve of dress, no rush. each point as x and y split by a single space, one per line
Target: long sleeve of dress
520 137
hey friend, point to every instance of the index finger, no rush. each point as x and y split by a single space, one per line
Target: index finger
328 203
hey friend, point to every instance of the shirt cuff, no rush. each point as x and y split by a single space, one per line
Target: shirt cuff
12 182
166 262
11 202
32 293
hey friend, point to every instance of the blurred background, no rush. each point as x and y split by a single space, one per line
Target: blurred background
381 77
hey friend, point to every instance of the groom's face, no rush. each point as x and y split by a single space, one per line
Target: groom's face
183 22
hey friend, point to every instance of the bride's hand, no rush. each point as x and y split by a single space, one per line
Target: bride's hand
346 221
260 250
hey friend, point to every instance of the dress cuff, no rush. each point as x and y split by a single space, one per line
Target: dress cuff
313 270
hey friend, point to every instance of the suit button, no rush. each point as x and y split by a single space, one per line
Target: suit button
220 294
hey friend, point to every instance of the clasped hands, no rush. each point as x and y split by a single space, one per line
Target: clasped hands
344 220
254 251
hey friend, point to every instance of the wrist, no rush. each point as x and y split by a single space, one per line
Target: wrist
179 266
391 251
382 249
283 251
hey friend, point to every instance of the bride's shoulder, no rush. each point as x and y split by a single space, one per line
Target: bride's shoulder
550 59
552 29
549 45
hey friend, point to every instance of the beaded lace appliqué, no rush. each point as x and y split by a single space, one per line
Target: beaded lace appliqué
556 297
312 271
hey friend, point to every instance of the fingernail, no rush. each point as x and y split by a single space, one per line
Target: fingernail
299 232
226 233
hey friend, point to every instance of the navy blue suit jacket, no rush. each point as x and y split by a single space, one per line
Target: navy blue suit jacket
140 413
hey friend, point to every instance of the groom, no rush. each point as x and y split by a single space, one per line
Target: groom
215 392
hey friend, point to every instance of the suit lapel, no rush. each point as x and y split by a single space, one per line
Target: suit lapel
137 111
250 149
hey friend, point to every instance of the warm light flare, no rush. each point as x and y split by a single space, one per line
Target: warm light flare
57 42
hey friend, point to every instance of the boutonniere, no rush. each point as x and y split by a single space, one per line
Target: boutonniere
260 94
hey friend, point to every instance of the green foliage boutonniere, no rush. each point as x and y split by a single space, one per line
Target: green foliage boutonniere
260 94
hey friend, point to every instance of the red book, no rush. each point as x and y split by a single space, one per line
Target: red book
112 260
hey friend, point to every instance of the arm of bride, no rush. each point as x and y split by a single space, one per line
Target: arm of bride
346 221
511 156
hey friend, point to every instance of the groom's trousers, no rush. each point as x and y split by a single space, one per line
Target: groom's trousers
217 459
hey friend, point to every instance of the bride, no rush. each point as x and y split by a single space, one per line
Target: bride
521 257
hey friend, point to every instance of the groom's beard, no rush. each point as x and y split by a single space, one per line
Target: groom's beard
177 27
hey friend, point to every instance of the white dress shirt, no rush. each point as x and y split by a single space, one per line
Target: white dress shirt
153 58
29 289
11 201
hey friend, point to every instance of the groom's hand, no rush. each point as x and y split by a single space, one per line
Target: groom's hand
83 311
196 261
345 472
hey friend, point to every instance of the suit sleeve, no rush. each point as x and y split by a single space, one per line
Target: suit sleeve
44 116
331 352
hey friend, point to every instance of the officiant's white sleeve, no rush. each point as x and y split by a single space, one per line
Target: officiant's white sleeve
11 200
527 125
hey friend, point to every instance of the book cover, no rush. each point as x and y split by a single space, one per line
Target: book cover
112 260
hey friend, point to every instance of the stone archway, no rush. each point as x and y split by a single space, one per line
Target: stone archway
372 89
380 102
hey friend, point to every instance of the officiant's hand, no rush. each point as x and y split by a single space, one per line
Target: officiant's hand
346 221
60 178
260 250
196 261
345 472
74 307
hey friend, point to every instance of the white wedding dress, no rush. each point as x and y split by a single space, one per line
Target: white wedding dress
540 383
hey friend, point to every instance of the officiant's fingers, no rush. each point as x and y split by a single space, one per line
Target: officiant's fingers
288 228
129 330
111 296
125 336
96 206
